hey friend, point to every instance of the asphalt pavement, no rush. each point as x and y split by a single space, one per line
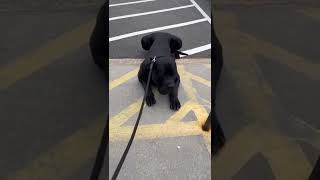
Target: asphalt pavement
168 144
52 106
268 94
51 92
53 97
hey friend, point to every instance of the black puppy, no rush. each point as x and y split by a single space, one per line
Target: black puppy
165 77
218 135
98 39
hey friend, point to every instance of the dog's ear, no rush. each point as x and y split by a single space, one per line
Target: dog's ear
175 43
147 42
146 64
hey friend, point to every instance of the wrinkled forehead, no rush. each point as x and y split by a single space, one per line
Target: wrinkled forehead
165 67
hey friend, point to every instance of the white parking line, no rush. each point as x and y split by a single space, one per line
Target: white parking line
201 11
132 2
150 12
197 50
156 29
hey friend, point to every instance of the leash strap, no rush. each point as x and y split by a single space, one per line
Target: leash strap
114 177
104 140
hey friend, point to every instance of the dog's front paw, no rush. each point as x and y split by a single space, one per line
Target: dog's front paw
150 100
175 104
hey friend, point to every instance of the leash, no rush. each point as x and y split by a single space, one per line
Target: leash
177 54
102 148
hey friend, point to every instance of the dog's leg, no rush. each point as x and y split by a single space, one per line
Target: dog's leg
143 78
207 125
150 100
173 97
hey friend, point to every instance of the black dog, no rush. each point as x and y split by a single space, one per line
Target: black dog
218 135
98 39
165 77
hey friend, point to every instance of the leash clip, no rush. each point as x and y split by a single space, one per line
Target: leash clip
154 59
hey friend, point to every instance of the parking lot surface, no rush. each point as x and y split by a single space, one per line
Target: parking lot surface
52 96
168 144
268 97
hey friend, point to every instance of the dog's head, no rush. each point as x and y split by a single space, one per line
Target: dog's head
165 74
175 42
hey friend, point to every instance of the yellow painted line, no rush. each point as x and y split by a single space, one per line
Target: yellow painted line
64 158
123 79
198 109
173 127
236 153
285 157
280 55
45 55
255 91
183 111
199 79
263 137
250 45
156 131
125 115
201 113
186 83
206 101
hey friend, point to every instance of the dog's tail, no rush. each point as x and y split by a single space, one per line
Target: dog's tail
177 54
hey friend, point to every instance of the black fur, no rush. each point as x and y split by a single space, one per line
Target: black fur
165 77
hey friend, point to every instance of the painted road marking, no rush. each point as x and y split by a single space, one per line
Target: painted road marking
282 56
133 73
261 135
197 50
199 79
156 29
124 78
173 127
150 12
201 11
45 55
285 159
125 114
127 3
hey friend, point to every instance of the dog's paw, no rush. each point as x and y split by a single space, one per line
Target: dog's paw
150 100
175 104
